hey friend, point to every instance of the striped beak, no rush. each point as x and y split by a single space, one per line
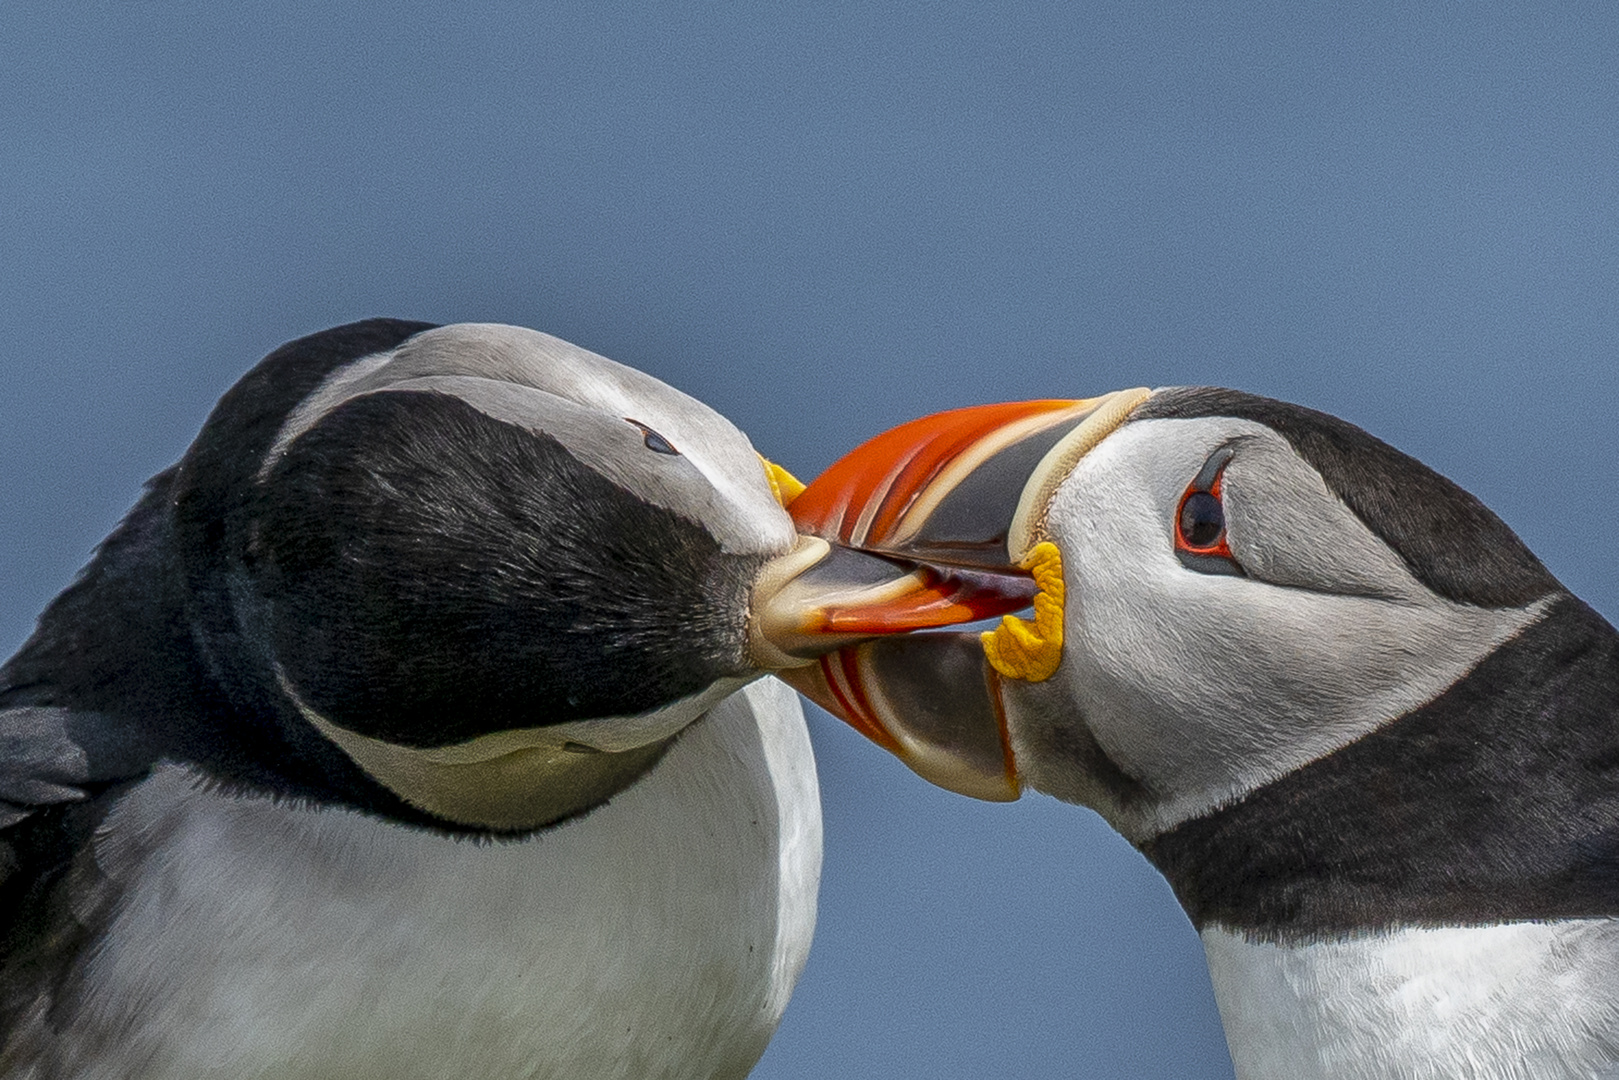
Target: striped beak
957 499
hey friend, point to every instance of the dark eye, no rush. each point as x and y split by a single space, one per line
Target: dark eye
1202 520
1200 536
654 442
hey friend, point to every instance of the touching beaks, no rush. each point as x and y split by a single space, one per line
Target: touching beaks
933 523
929 699
823 596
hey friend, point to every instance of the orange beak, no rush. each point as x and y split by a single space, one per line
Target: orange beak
956 497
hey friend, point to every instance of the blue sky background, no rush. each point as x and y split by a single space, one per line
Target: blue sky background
823 220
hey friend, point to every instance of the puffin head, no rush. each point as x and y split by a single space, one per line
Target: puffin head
1230 587
498 572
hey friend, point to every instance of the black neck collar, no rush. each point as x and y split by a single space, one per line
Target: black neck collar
1497 801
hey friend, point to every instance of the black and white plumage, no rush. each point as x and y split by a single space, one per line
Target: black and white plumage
407 727
1367 737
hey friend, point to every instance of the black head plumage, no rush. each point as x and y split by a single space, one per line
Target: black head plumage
426 574
413 569
1448 539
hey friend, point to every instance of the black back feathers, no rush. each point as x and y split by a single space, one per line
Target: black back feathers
146 643
1450 541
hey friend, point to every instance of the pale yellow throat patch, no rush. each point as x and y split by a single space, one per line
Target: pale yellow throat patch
1031 649
523 779
515 791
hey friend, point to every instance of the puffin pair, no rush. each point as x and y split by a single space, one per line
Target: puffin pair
409 727
1367 737
412 724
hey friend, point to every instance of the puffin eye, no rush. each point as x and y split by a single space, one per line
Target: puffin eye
654 442
1200 536
1202 522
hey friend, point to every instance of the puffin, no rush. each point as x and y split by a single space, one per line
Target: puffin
1367 737
416 724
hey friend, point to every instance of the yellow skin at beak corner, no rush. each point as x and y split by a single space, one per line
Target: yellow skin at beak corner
1031 649
783 485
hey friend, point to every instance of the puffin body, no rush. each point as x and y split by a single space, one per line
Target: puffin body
408 728
238 935
1370 741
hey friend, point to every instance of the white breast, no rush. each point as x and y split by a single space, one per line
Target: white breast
659 936
1525 1001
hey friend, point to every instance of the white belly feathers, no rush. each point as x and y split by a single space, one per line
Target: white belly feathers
1515 1001
292 942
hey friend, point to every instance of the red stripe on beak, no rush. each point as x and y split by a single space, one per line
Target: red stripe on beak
862 499
940 598
842 673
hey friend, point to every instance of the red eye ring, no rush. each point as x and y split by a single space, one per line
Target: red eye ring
1200 528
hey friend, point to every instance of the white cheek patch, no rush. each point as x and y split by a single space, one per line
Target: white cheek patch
583 400
617 450
1204 687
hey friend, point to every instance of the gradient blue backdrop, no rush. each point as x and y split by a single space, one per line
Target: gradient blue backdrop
825 219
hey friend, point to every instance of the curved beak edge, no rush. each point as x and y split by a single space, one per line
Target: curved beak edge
929 699
833 623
